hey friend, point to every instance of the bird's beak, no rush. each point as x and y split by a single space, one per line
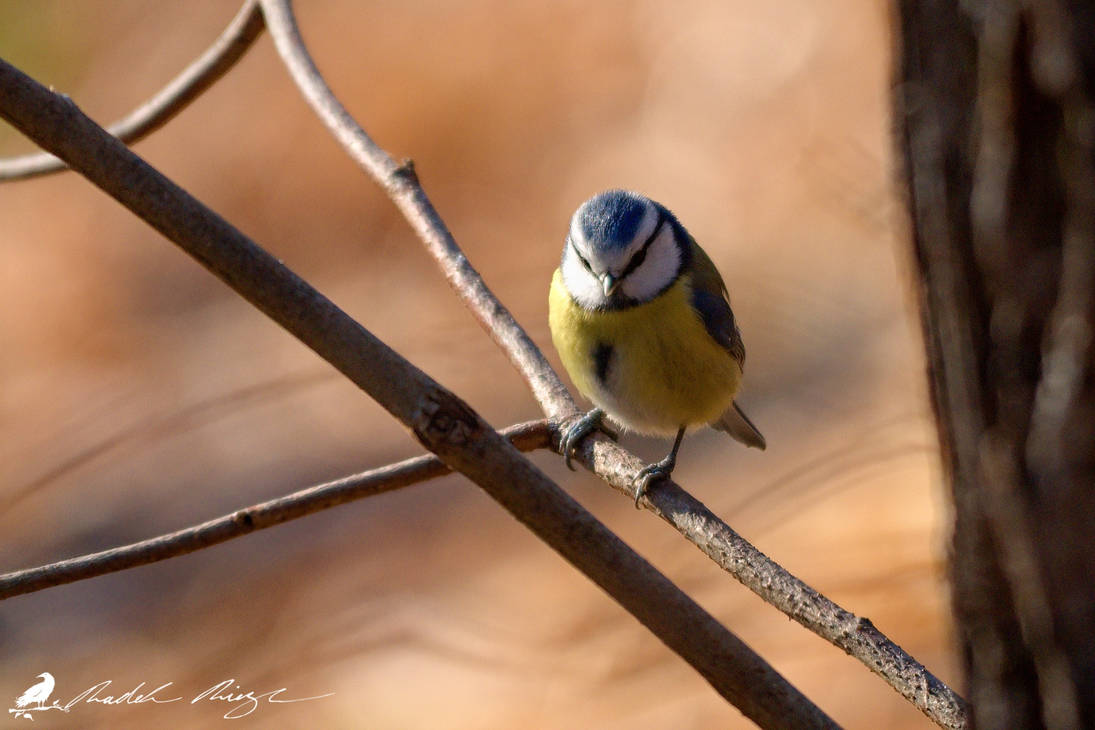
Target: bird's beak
609 283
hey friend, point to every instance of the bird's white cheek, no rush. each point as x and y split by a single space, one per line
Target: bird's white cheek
581 284
657 271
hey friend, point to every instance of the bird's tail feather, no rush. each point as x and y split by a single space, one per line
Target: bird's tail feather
738 425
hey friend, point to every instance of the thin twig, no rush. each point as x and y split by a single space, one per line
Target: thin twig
855 635
165 105
438 419
402 184
525 436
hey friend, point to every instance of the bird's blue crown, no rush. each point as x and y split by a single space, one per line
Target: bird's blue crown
612 218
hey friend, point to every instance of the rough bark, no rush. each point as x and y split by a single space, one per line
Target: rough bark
996 122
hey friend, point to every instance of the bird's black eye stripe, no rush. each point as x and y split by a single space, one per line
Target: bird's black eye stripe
580 256
640 256
636 261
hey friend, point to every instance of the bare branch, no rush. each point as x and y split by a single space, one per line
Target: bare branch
172 99
402 184
525 436
855 635
439 420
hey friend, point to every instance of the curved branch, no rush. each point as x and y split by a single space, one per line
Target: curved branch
438 419
172 99
525 436
402 184
855 635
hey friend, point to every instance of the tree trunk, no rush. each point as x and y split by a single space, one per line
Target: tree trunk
996 120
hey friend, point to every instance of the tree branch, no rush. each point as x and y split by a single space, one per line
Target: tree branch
855 635
438 419
172 99
402 185
525 436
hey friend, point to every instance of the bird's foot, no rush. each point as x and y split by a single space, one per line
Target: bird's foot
575 432
652 473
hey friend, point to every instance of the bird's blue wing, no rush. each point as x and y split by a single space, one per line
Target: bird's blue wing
710 299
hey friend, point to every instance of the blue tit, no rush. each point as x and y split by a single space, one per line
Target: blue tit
642 321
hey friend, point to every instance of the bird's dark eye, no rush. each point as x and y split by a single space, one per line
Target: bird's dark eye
581 257
637 260
640 255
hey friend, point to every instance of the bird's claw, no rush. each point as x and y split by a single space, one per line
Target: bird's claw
574 433
652 473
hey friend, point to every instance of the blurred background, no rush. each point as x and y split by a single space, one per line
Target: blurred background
138 395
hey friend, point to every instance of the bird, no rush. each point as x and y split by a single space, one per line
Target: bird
38 693
641 320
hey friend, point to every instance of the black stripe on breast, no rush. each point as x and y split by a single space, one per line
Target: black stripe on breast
602 354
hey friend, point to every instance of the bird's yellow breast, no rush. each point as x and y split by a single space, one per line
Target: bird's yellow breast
652 367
